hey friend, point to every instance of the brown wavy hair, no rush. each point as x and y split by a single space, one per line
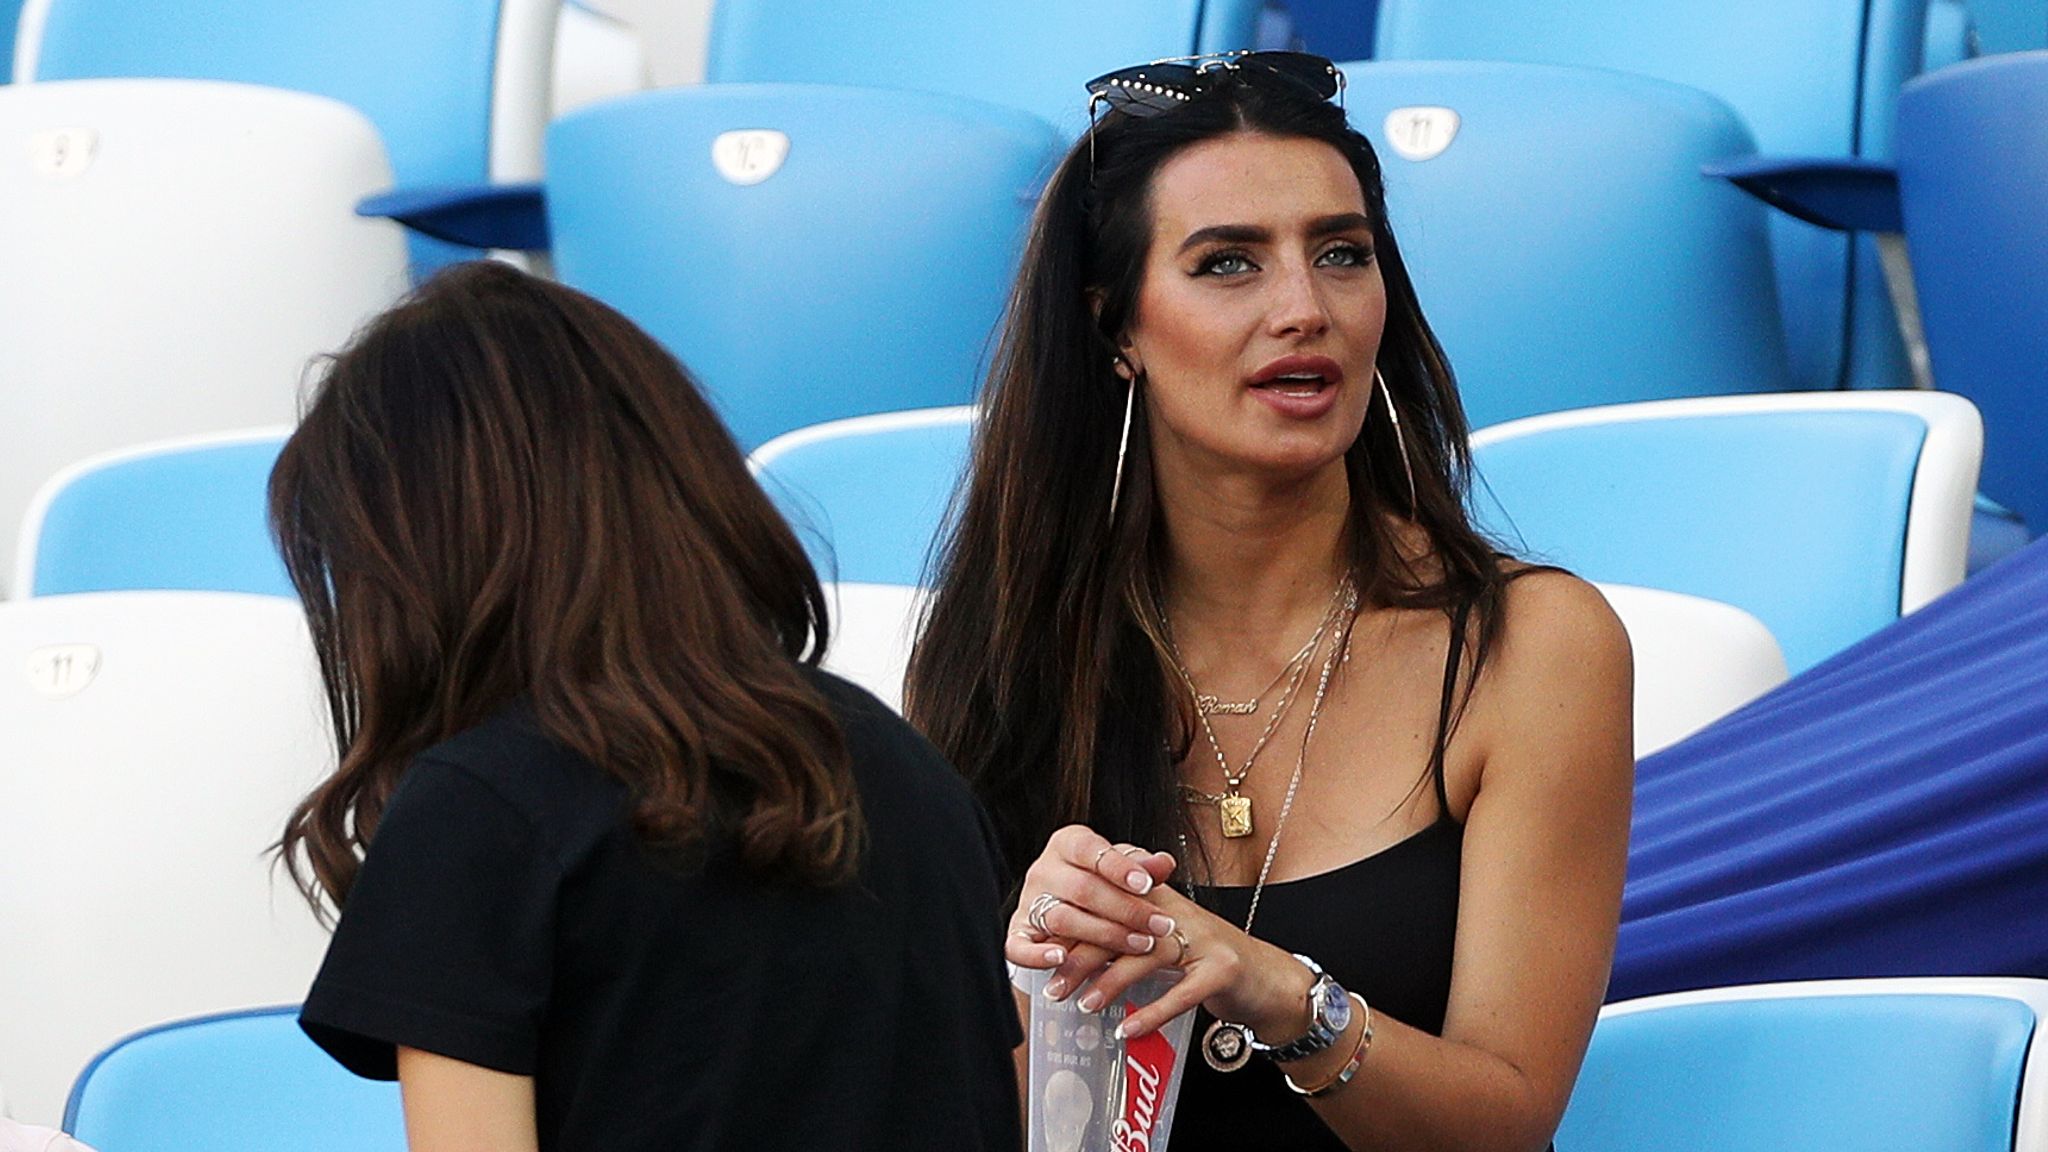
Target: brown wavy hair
503 490
1041 671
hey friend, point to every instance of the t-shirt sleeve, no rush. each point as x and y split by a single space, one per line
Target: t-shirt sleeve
446 941
1012 1028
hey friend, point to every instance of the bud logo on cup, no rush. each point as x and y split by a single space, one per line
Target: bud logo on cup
749 156
1148 1064
1421 133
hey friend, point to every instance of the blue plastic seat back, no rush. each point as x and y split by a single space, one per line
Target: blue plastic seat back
2010 25
1564 245
10 16
1798 518
241 1082
1810 78
870 498
1030 54
192 518
1856 1073
866 274
1973 183
423 73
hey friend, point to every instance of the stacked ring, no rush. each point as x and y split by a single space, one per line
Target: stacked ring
1043 903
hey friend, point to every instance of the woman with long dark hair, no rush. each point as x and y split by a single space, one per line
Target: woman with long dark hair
616 866
1214 613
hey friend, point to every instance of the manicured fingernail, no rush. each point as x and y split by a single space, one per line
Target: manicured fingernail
1055 988
1055 956
1140 882
1117 1033
1141 943
1091 1002
1161 925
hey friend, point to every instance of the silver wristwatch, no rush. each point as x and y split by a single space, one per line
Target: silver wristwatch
1329 1013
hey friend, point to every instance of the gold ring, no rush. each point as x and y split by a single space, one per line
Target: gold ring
1180 938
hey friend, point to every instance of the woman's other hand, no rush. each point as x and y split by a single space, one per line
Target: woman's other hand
1089 898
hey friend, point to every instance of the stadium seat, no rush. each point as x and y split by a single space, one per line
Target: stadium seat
179 514
151 746
176 253
597 57
2009 25
809 253
1825 515
1030 54
1950 1064
870 496
1696 660
235 1082
1810 78
459 89
1973 184
1966 193
1562 241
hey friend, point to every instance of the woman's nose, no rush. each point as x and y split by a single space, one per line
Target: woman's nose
1298 305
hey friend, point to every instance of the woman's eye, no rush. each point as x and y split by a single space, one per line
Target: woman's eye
1224 264
1346 256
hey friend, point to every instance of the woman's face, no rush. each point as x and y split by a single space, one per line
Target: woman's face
1260 313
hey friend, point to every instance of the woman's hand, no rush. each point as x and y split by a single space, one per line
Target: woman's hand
1235 976
1090 894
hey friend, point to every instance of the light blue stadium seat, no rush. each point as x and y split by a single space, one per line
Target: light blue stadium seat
1825 515
1564 245
1973 186
459 89
2010 25
864 274
186 514
1031 54
869 496
1935 1065
10 16
240 1082
1810 77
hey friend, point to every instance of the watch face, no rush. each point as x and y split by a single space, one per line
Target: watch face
1339 1011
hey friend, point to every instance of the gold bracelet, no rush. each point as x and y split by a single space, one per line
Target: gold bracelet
1343 1075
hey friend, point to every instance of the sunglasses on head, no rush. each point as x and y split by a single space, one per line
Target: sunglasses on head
1145 90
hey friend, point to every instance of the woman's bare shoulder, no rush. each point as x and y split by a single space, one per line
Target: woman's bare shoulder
1562 655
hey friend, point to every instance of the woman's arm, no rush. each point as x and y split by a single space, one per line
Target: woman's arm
451 1106
1546 844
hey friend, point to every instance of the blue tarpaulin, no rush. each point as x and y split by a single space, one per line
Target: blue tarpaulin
1883 814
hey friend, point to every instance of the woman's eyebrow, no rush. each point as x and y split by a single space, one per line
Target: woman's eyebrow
1341 222
1227 233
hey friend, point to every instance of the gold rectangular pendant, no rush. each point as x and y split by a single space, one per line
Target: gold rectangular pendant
1236 813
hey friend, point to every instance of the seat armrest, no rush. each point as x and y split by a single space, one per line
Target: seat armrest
513 216
1844 195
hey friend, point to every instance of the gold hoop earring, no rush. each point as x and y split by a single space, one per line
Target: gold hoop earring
1400 442
1123 446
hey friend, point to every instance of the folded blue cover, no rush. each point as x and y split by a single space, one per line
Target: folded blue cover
1884 813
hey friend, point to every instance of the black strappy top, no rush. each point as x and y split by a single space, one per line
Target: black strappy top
1383 926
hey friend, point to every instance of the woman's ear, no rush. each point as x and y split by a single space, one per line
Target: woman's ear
1125 363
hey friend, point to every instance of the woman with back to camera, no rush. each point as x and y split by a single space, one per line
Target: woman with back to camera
1213 611
638 876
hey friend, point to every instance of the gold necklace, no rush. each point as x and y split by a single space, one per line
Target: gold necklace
1226 1046
1208 704
1233 808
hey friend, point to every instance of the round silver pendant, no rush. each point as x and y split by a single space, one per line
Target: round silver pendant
1226 1047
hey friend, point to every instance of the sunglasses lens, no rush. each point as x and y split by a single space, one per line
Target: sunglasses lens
1312 72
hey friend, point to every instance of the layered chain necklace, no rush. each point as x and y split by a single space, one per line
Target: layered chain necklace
1233 808
1226 1046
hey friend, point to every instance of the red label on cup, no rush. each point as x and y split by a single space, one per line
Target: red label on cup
1148 1068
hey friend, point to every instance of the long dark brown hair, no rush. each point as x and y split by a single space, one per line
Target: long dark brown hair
1040 671
505 491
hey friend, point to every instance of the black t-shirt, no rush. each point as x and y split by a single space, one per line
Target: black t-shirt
507 916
